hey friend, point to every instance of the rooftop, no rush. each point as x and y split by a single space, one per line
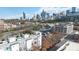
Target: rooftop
69 46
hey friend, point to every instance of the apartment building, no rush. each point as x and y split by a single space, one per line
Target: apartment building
26 42
64 28
5 26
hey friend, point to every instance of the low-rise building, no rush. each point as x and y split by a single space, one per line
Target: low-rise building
23 43
5 26
34 39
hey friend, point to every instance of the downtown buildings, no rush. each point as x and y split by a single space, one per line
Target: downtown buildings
67 15
43 16
73 14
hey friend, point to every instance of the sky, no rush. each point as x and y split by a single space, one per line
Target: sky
16 12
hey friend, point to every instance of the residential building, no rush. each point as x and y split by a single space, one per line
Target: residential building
5 26
22 43
2 25
64 28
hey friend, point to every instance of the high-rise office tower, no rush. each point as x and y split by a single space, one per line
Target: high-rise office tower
73 9
48 16
38 17
20 18
67 11
24 16
43 14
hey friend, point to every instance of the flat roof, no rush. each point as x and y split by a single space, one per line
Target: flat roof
72 46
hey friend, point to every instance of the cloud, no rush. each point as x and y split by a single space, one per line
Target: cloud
54 9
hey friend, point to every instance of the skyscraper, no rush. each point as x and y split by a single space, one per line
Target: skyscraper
67 11
73 9
43 15
24 16
20 18
34 17
48 16
38 17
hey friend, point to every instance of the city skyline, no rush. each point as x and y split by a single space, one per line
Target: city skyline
17 12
